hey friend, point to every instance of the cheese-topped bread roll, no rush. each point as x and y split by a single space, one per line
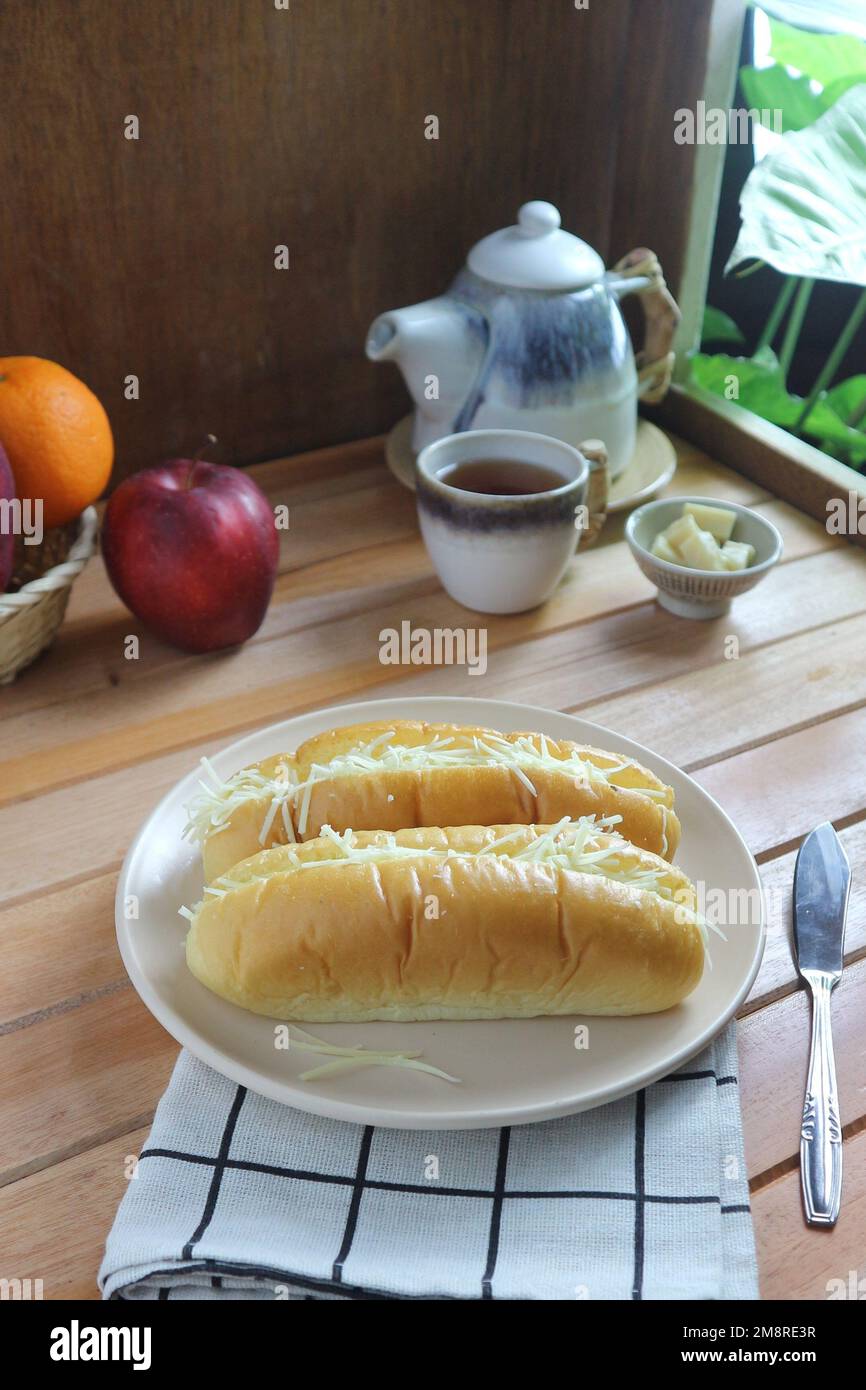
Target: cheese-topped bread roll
469 922
406 774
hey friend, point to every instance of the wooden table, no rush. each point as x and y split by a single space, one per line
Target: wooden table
91 740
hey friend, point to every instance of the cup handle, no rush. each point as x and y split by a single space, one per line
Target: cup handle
597 491
655 360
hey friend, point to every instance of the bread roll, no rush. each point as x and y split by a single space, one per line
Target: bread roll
465 923
407 774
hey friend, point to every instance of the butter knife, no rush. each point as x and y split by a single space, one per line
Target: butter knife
822 881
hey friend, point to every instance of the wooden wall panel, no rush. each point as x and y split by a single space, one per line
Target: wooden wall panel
261 126
664 66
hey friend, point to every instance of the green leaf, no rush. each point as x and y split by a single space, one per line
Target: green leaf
828 421
719 327
753 382
768 90
824 57
835 90
760 387
803 207
772 89
849 396
853 453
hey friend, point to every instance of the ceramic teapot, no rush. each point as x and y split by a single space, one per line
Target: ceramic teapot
530 336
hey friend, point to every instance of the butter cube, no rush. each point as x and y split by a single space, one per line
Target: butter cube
663 551
684 528
737 555
702 552
717 520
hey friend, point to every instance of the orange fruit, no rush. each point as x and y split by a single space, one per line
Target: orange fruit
56 435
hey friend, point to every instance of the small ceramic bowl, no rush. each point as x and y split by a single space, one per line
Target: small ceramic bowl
692 593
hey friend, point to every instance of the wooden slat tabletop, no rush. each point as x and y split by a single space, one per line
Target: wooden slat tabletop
91 740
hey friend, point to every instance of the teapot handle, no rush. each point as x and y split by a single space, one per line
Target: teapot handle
639 272
597 491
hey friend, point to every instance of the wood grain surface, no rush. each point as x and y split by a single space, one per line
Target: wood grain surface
91 741
304 127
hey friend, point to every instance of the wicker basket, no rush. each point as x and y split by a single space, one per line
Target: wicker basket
30 617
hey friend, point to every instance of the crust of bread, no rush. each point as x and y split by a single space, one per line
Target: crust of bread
398 799
472 936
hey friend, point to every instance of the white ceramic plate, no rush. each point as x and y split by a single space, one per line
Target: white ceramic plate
514 1071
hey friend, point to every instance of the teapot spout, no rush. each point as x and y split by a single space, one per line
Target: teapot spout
383 338
415 338
439 346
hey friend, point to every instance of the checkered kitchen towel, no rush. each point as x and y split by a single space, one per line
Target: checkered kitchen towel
239 1197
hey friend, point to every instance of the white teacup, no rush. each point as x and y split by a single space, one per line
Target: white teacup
505 554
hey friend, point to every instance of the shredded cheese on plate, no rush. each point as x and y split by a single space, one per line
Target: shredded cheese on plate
214 806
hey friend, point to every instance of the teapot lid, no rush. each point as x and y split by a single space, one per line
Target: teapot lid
536 254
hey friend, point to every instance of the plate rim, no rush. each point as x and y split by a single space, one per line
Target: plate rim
338 1108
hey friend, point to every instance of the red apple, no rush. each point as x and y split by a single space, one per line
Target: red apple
7 533
192 549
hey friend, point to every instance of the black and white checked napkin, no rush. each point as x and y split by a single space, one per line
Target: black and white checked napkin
239 1197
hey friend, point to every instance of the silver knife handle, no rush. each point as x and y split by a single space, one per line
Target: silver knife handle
821 1132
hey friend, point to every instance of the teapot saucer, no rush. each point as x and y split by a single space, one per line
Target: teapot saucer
652 466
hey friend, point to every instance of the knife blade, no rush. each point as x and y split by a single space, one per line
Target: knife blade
822 883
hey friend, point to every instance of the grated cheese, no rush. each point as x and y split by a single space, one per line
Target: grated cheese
351 1058
570 845
214 806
